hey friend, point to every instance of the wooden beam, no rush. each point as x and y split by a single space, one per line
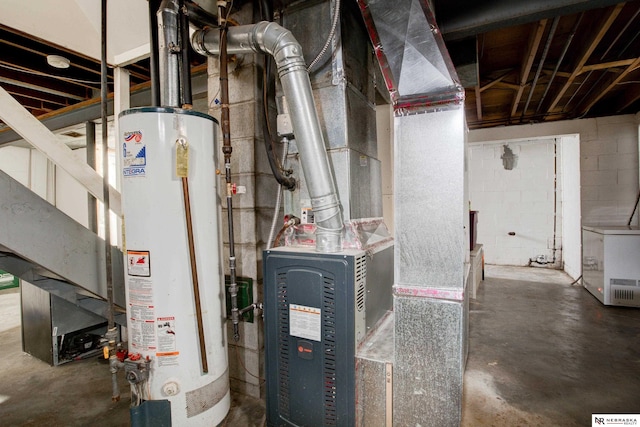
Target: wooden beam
605 65
607 86
478 103
37 134
549 72
607 21
36 95
494 82
44 55
37 85
532 50
628 98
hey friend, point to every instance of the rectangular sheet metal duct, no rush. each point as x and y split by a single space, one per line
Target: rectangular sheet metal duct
430 302
413 58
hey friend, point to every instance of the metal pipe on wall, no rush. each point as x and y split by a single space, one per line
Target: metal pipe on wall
271 38
227 150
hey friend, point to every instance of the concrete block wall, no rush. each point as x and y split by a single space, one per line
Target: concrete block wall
252 210
609 161
609 171
519 201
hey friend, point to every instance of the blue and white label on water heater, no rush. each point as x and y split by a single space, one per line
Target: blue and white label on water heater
134 154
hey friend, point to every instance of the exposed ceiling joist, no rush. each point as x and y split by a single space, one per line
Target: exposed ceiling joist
606 65
627 99
495 81
588 49
478 102
534 44
610 83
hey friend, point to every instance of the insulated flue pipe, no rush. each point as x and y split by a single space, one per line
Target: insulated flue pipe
168 52
273 39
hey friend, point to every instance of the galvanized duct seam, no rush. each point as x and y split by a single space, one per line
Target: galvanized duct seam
271 38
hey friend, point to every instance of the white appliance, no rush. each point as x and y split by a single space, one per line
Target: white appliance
162 318
611 264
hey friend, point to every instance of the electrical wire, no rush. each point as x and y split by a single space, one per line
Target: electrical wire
276 242
270 146
262 380
332 33
576 281
635 207
285 151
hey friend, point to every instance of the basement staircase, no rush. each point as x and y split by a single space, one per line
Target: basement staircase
46 248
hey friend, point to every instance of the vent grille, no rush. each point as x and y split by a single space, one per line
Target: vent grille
361 274
623 294
329 352
283 345
624 282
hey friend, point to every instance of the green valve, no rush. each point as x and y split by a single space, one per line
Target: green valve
8 281
245 296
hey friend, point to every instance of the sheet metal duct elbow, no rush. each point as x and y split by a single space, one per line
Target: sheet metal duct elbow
273 39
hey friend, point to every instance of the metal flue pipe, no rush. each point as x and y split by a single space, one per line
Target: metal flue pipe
273 39
154 6
168 52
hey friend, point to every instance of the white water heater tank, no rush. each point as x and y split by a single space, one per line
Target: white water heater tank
161 313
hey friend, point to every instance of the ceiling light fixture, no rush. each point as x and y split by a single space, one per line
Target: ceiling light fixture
58 61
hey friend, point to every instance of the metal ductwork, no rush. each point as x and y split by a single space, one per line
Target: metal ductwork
464 18
271 38
414 61
168 50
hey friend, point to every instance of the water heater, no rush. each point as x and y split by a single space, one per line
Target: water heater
163 330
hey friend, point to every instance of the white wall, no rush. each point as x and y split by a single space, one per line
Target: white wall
519 201
15 162
34 171
608 166
71 197
570 196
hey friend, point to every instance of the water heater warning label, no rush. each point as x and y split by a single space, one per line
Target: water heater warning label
142 318
138 263
304 322
134 153
167 353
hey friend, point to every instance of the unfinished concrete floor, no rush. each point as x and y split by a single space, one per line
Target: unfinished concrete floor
541 352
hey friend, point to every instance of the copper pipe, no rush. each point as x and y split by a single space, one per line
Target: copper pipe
226 150
194 274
